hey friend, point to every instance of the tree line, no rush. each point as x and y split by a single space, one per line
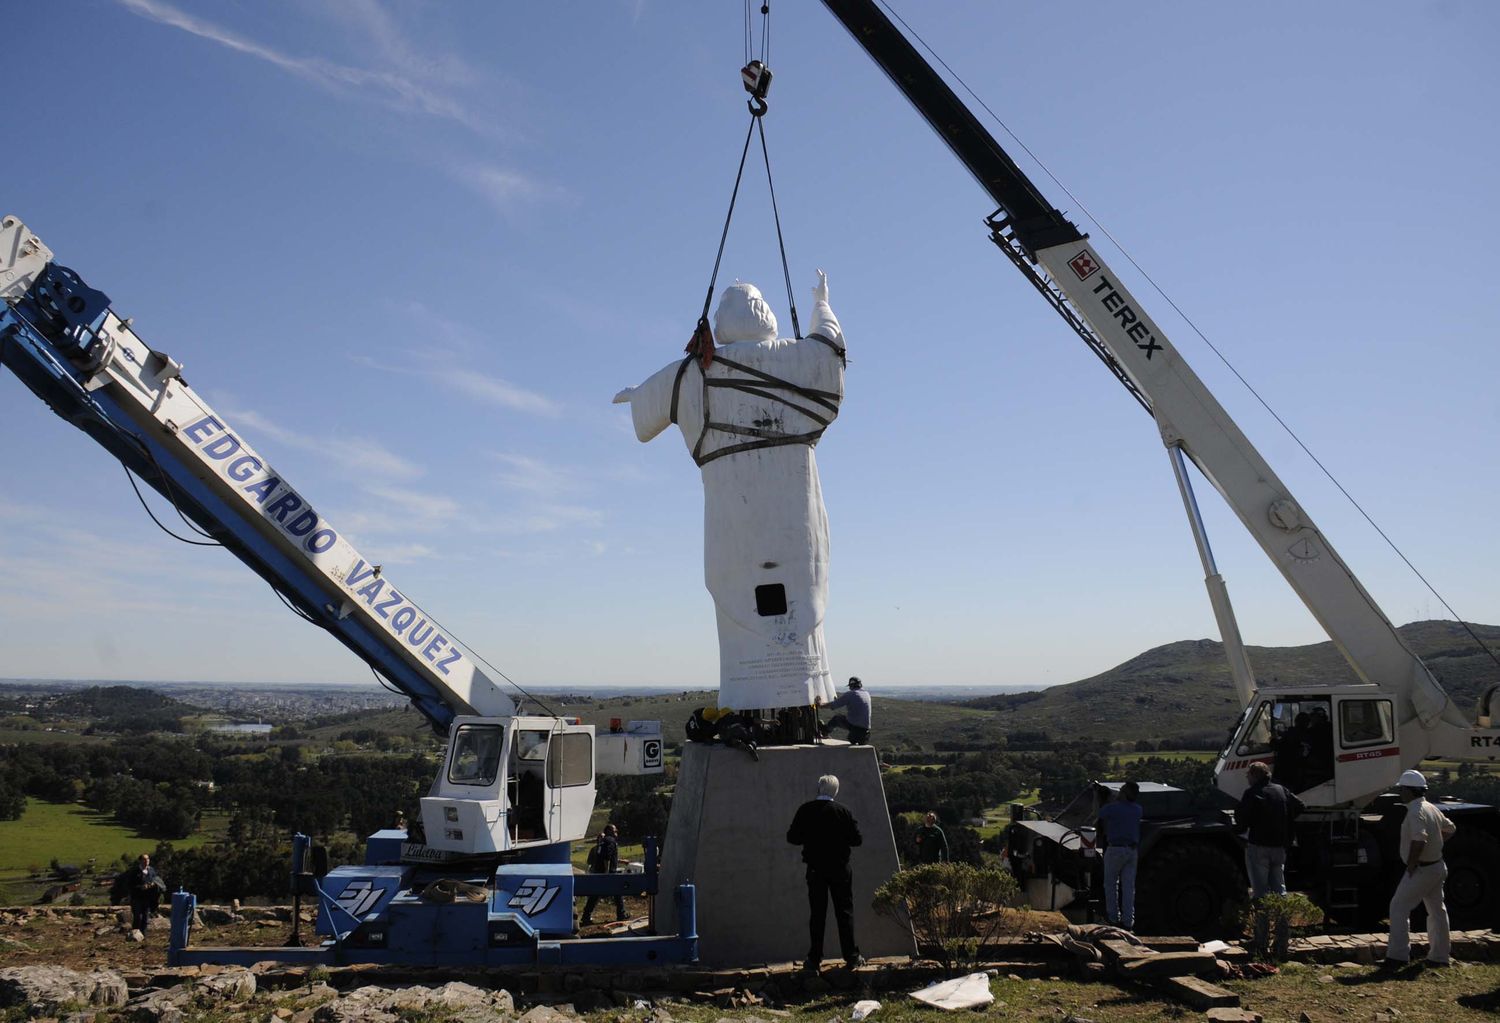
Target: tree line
163 786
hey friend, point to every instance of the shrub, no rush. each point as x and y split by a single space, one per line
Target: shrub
953 908
1272 919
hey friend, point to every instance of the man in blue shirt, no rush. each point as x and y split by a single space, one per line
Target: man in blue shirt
1119 832
857 722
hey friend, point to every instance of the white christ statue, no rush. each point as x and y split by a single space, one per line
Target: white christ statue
750 412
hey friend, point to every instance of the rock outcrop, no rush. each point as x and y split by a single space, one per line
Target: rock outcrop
49 990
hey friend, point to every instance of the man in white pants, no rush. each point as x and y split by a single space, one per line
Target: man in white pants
1423 832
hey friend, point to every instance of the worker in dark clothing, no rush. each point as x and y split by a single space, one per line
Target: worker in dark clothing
1294 768
857 721
1317 763
826 831
144 886
604 858
932 844
1266 812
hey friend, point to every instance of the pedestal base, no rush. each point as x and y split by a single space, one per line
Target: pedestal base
727 835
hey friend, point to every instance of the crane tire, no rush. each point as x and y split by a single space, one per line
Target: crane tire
1472 891
1187 887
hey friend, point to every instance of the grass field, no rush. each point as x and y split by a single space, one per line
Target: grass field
1176 754
24 736
71 834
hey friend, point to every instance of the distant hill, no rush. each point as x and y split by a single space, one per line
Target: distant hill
1183 690
117 708
108 701
917 724
1180 692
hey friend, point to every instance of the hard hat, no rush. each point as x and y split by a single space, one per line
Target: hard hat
1412 780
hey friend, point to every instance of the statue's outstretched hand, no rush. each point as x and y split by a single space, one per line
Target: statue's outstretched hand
820 290
624 396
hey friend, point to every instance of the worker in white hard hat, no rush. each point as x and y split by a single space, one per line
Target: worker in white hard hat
1423 832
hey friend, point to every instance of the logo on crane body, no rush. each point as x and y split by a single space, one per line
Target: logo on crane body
359 897
533 895
1083 265
1135 326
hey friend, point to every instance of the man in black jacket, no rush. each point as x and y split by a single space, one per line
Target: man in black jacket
604 858
143 886
1266 810
826 831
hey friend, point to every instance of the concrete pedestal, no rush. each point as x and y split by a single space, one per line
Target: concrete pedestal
727 835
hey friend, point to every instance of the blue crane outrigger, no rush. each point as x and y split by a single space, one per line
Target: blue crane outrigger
489 880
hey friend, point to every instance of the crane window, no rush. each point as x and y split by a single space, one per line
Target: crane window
1301 742
570 760
1365 723
1257 738
531 744
476 755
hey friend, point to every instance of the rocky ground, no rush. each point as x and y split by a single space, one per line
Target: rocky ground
81 965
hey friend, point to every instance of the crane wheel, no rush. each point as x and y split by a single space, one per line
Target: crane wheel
1187 888
1472 891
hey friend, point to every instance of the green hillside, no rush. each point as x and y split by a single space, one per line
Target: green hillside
1180 692
1183 690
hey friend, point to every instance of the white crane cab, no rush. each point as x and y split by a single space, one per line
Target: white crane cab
510 783
1330 746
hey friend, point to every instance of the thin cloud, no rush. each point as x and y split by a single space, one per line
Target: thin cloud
394 90
359 454
495 391
506 190
369 17
551 517
405 554
425 511
488 389
534 476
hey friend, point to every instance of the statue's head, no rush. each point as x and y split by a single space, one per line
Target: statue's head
743 316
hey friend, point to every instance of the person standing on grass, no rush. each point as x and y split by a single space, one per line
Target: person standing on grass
932 844
1119 832
604 858
1424 830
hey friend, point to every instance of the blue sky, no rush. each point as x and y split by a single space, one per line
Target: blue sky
412 250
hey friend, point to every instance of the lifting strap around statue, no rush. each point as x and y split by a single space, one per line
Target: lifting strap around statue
817 405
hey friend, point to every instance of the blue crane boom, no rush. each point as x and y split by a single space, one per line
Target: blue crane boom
62 339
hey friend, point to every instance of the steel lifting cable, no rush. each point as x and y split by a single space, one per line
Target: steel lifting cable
757 79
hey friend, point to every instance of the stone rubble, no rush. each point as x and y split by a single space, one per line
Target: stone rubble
46 990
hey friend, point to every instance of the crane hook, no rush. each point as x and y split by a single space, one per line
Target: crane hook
757 79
